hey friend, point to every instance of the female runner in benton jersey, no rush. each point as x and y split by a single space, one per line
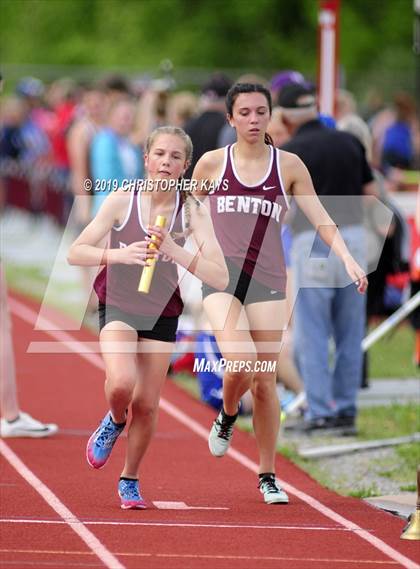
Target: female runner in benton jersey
137 330
255 180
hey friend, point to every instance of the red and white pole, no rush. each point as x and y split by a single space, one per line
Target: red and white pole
328 27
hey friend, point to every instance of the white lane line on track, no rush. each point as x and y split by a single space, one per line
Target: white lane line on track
67 516
30 316
183 506
175 525
336 562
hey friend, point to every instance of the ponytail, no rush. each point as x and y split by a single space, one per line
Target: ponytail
268 139
186 198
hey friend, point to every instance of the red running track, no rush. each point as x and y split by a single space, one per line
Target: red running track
204 512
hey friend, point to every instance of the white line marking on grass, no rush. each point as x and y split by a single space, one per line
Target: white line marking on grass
30 316
69 518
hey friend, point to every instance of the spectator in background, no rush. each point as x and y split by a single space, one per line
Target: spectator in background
14 422
114 158
287 372
327 305
61 98
345 104
34 155
284 78
204 129
398 143
37 121
115 87
150 110
373 104
182 108
388 242
32 91
386 238
277 129
90 119
12 118
356 126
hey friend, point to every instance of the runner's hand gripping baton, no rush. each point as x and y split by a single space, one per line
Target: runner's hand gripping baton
148 270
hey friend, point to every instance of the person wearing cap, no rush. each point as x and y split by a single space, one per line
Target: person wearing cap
283 78
327 304
205 128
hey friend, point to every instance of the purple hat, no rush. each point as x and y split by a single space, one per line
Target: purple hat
283 78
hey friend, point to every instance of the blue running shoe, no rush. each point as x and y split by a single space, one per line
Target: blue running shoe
129 492
100 444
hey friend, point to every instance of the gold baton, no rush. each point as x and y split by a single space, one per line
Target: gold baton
148 270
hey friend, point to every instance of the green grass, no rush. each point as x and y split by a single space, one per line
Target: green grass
188 383
388 421
411 176
373 423
365 492
403 467
27 280
410 456
32 282
409 488
392 355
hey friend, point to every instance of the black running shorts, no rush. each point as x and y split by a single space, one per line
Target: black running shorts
163 329
244 287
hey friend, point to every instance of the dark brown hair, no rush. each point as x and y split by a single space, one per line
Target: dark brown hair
240 88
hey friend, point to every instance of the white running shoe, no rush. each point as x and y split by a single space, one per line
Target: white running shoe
26 426
220 436
272 492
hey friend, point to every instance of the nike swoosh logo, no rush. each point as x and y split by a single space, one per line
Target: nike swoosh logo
273 291
266 188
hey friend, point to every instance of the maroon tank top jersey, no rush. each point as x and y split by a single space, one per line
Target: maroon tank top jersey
117 285
247 221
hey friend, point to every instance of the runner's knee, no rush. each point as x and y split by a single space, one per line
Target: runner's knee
264 385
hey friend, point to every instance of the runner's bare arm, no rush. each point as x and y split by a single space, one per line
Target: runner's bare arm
300 183
90 248
208 263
